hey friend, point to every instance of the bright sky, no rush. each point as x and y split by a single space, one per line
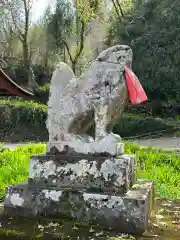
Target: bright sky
38 8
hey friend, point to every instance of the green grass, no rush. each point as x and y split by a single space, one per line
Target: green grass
163 167
14 165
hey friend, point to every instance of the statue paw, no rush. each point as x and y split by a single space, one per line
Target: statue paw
80 138
110 138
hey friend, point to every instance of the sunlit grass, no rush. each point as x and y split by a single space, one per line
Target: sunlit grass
20 103
14 165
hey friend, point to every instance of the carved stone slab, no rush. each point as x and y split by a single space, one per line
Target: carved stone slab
94 174
126 213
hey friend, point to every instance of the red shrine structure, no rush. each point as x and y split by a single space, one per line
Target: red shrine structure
9 88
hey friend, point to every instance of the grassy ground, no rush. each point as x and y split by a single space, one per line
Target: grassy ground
163 167
160 166
14 165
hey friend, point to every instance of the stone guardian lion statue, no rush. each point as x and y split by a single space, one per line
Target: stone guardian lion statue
99 94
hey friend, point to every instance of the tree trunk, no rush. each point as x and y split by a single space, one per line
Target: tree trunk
81 47
45 58
30 77
27 66
64 54
73 67
116 9
26 61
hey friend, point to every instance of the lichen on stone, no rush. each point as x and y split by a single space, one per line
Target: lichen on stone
16 200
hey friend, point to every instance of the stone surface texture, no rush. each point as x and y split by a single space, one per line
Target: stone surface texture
100 95
101 174
128 213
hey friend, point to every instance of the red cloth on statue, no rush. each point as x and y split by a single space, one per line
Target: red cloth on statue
136 92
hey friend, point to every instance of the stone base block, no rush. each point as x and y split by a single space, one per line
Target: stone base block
110 144
126 213
93 174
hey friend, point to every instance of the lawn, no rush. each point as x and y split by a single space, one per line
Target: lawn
157 165
14 165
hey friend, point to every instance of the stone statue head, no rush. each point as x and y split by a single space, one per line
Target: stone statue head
117 54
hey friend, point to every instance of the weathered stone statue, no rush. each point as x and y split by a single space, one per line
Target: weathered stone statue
89 180
100 94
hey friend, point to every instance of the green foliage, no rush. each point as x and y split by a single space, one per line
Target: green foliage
46 40
14 165
163 167
61 22
42 74
87 9
70 20
24 120
134 125
177 134
153 32
42 93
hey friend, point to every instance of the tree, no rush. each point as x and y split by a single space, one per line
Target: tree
40 42
86 11
154 35
60 25
18 13
48 48
70 21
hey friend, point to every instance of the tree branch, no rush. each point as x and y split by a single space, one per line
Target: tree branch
81 41
117 1
10 8
68 51
26 24
116 9
81 47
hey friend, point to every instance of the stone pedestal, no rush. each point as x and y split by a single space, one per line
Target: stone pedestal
98 188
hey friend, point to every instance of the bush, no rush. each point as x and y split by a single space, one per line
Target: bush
22 121
42 74
155 109
135 125
42 93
